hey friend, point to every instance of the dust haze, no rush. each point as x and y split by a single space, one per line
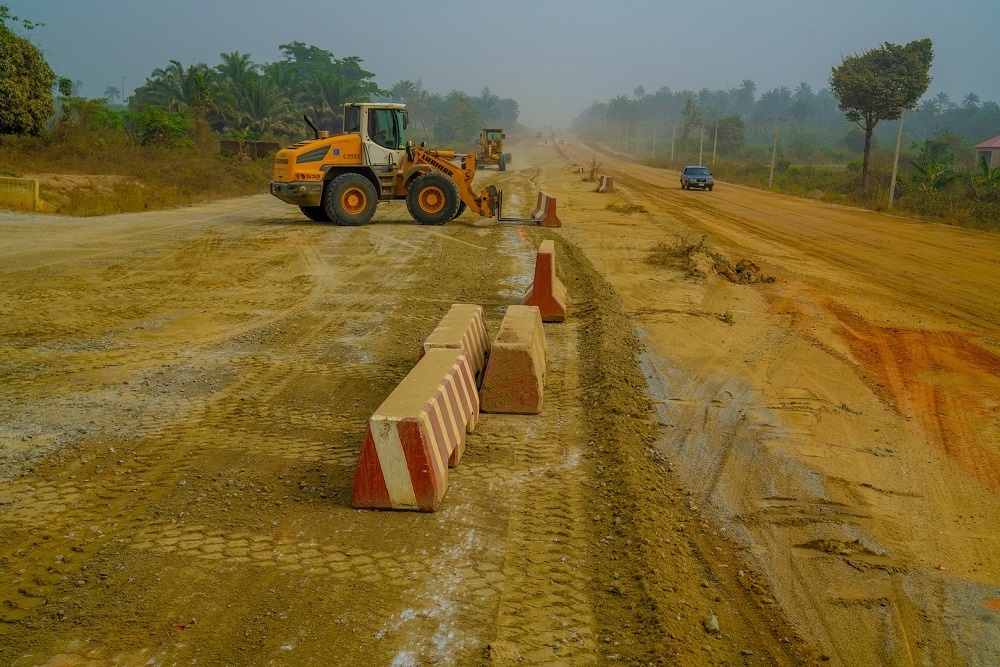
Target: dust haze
554 58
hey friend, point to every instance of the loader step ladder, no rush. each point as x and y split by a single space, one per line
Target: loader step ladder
387 182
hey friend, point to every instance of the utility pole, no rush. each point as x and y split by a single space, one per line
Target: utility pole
673 134
122 96
895 162
701 145
774 150
716 143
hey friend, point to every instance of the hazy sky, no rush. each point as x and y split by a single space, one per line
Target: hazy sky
554 57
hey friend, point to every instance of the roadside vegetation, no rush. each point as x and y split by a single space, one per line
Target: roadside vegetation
160 147
836 144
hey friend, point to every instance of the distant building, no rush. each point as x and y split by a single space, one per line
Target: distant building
991 151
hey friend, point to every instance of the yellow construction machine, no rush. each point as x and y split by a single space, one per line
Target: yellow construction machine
341 178
491 148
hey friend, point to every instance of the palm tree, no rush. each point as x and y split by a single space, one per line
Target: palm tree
802 104
509 111
263 107
175 88
745 97
991 106
110 93
639 92
944 102
488 105
236 67
403 91
616 112
930 105
970 102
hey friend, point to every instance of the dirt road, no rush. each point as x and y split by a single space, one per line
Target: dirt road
721 474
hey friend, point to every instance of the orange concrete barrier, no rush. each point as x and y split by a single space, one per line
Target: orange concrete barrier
515 374
607 184
545 211
417 432
546 291
462 328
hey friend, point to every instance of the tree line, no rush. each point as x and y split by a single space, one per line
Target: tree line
236 97
740 122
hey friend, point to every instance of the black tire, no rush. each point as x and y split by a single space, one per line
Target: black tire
433 199
315 213
350 200
683 187
502 162
710 188
461 209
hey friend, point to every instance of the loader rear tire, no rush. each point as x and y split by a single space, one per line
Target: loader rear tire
461 209
433 199
502 162
350 200
315 213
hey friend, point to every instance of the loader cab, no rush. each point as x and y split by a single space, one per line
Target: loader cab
382 128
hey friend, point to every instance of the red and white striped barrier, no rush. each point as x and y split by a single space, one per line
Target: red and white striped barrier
545 211
417 432
546 291
462 328
515 375
607 184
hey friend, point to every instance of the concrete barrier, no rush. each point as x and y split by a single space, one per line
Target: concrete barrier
22 194
592 176
607 184
546 291
462 328
515 374
417 432
545 211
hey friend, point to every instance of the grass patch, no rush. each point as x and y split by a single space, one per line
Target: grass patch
619 205
94 173
680 255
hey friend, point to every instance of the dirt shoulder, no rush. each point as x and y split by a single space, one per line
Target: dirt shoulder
839 422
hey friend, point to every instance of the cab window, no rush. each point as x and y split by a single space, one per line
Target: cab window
384 129
352 119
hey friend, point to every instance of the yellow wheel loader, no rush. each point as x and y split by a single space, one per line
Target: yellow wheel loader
341 178
491 148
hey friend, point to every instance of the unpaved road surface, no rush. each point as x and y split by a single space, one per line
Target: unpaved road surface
797 472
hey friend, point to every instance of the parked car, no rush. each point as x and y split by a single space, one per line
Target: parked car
696 177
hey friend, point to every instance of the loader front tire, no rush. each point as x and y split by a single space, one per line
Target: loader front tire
433 199
502 162
350 200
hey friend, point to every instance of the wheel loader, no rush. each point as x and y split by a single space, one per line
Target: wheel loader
341 178
491 148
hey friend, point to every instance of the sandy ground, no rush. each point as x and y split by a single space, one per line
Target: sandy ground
789 473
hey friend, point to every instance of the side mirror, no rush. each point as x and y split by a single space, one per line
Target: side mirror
406 118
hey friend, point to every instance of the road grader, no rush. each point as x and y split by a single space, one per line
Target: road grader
491 149
342 177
